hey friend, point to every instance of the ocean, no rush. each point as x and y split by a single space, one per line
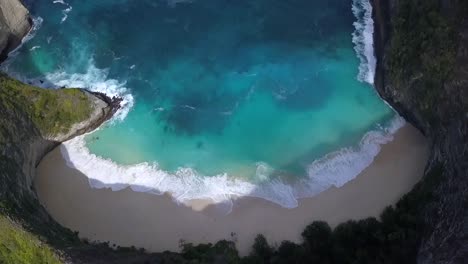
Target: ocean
222 98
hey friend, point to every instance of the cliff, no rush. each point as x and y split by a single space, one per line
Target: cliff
15 23
422 71
34 121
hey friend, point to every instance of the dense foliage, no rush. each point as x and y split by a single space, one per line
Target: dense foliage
53 111
422 50
20 247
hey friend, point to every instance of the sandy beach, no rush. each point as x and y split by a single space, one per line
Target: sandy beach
156 223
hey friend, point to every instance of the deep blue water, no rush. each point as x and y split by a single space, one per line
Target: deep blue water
222 96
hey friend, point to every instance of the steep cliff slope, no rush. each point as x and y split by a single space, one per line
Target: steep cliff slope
422 50
33 121
14 24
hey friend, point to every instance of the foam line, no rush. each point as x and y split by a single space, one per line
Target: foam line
96 80
335 169
363 39
36 25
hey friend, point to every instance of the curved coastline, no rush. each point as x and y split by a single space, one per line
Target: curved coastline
334 169
441 219
197 205
156 223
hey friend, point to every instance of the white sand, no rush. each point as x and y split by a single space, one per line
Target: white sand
156 223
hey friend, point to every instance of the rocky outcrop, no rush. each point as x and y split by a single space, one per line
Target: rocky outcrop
15 23
103 107
429 87
23 143
425 78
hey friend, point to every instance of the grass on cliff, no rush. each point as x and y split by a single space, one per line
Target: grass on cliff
53 111
20 247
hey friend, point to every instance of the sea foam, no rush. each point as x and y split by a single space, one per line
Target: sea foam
95 79
36 25
363 39
65 11
334 169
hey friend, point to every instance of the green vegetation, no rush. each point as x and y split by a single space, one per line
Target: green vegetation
422 50
20 247
421 59
53 111
392 239
221 252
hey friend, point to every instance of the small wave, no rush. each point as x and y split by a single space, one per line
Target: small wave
189 107
34 48
95 80
338 168
36 25
363 39
65 11
335 169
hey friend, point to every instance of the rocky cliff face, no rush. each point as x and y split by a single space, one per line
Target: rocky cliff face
422 52
34 121
28 130
26 133
14 25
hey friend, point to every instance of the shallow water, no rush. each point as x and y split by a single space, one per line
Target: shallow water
222 97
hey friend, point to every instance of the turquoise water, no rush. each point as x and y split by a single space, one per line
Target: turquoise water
250 92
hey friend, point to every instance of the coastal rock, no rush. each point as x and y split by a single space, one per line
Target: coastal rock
442 116
24 142
15 23
103 107
429 87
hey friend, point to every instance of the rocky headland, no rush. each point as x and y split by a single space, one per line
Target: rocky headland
422 71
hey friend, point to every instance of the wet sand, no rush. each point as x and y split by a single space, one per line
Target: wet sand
156 223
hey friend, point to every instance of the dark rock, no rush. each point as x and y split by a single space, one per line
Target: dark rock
444 122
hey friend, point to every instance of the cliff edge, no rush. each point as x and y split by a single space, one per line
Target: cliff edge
422 71
33 122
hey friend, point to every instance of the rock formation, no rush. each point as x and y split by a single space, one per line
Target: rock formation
422 53
15 23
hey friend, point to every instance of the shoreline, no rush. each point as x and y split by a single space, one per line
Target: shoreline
156 223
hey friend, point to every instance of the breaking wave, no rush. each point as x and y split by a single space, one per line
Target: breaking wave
335 169
363 39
